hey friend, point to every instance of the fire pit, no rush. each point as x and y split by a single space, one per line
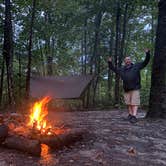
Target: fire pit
29 133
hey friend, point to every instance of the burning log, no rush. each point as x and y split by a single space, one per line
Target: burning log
23 144
3 132
15 133
64 139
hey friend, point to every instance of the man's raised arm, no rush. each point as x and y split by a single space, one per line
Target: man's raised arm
146 61
111 66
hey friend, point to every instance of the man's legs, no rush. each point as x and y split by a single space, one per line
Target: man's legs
134 109
130 109
132 99
133 118
135 102
127 98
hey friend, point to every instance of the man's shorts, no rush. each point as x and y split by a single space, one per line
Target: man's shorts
132 97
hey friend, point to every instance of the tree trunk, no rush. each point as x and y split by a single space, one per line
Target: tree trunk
30 50
49 65
110 73
123 35
8 50
19 61
50 44
96 57
43 68
90 52
2 78
116 58
157 103
82 57
85 45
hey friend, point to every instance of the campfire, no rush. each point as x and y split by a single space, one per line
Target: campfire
30 133
37 121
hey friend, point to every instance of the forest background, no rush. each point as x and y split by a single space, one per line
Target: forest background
74 37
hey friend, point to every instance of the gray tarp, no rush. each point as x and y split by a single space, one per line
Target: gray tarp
59 87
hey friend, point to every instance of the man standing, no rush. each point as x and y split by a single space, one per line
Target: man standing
130 74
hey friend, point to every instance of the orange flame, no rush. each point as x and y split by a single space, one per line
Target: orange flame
37 117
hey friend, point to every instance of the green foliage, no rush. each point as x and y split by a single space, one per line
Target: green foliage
59 32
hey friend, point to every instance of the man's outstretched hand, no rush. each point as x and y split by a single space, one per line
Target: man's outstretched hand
147 50
109 59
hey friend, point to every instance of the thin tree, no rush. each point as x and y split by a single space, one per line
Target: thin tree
96 56
2 80
30 49
157 103
110 73
8 51
123 34
116 56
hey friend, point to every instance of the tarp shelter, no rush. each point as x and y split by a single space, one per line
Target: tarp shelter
59 87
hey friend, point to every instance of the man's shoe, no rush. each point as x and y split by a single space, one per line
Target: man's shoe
129 117
133 119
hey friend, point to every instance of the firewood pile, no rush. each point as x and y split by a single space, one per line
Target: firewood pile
15 134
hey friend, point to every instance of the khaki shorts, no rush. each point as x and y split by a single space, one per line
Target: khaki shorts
132 97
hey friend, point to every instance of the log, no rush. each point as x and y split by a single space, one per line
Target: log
65 139
1 118
29 146
3 132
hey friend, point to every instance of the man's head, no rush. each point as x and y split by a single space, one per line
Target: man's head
127 61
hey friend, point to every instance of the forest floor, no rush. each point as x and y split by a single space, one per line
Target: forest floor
111 141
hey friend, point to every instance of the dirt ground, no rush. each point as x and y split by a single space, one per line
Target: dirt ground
111 141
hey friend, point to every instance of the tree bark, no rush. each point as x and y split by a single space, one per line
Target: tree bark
43 68
157 102
49 65
48 44
20 85
82 57
85 45
30 50
116 57
2 78
110 73
123 35
96 57
8 50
